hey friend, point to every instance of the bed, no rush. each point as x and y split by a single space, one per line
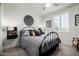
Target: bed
39 45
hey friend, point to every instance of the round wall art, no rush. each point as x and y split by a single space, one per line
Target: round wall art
28 20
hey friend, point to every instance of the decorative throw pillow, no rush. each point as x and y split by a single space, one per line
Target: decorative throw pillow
30 32
40 30
33 33
37 33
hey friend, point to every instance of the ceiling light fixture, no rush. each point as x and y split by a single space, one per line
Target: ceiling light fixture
47 5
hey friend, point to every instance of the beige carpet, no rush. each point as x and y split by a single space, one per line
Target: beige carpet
64 50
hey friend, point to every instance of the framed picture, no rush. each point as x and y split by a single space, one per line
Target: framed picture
48 23
77 20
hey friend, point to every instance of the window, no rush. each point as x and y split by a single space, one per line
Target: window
56 23
61 23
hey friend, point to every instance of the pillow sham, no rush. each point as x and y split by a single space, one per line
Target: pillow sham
26 33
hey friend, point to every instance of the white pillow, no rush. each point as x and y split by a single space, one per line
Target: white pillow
26 33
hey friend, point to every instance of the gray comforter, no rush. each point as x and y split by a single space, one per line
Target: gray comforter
31 44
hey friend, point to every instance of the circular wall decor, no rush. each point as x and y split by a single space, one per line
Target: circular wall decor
28 20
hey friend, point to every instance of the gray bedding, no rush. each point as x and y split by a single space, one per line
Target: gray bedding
31 44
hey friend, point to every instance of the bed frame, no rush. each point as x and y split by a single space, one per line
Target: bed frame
44 44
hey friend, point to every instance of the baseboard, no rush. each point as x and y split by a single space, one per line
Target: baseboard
66 44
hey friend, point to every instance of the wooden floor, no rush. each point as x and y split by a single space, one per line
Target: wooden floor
14 52
64 50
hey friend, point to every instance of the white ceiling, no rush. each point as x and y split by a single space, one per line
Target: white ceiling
37 8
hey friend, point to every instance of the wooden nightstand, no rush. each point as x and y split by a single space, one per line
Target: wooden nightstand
75 42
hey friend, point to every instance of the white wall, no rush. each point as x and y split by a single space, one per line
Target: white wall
74 32
13 15
0 32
